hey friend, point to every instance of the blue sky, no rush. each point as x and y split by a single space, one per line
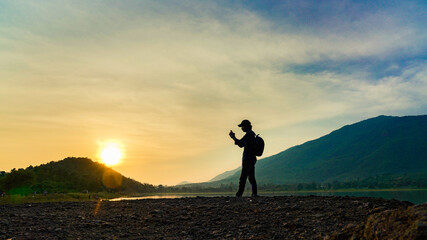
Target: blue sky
169 79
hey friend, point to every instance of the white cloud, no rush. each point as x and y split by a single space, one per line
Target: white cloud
181 74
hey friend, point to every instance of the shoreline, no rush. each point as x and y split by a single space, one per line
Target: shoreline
309 191
78 197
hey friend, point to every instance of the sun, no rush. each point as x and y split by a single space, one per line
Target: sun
111 154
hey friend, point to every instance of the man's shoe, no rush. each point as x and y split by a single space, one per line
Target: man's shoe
255 195
238 195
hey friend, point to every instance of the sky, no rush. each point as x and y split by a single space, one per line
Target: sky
167 80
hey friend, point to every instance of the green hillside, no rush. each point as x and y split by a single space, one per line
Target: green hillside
69 175
375 147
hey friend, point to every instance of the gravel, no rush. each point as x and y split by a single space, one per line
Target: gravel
285 217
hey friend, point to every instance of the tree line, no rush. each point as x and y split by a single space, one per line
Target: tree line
69 175
377 182
84 175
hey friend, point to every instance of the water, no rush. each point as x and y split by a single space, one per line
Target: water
414 196
147 197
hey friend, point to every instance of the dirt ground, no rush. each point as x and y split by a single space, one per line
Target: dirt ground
286 217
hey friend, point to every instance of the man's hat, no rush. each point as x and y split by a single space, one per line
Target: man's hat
244 123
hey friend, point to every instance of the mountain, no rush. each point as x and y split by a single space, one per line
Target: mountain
225 175
183 183
70 175
219 177
378 146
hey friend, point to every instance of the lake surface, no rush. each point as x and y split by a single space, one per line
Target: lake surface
414 196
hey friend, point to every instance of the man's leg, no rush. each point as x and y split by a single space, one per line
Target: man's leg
252 180
242 180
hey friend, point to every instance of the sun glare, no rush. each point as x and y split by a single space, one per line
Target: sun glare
111 154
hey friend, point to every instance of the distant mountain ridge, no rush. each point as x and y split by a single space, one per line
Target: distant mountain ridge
225 175
183 183
376 146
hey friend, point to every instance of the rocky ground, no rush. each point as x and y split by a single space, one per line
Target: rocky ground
287 217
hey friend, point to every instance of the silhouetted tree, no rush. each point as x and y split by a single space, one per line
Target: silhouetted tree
18 178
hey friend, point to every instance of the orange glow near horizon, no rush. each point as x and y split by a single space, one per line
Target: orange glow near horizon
111 153
152 88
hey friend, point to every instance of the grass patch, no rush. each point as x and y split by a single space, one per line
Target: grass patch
80 197
55 197
349 190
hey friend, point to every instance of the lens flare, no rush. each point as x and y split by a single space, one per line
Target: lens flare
112 179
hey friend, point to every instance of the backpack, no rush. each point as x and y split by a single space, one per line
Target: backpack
259 145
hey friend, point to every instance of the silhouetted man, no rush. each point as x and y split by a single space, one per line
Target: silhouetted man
249 158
